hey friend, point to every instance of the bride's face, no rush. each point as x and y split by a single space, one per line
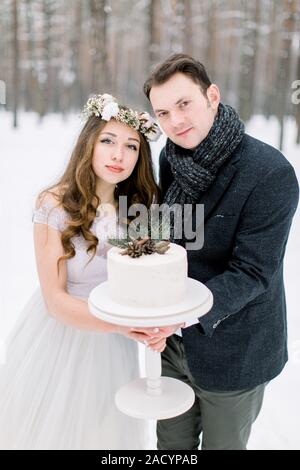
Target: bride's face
116 152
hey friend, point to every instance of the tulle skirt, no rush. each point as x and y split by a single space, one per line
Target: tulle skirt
58 383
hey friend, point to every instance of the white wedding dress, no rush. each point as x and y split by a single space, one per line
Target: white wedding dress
58 384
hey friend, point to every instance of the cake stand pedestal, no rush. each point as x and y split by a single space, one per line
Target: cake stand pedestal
153 397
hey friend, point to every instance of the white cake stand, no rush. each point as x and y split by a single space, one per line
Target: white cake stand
153 397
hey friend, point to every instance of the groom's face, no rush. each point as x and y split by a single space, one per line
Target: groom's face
183 111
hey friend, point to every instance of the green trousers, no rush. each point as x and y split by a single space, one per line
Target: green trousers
224 419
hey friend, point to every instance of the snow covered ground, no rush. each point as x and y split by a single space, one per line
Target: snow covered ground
34 155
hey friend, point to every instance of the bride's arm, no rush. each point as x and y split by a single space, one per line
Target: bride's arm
59 303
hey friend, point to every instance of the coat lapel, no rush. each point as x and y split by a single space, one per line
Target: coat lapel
214 194
211 197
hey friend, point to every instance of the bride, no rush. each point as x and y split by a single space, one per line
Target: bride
64 365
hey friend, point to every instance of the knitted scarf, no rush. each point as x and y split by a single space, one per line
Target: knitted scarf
194 172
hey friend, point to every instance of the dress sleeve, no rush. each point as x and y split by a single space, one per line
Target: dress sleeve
46 212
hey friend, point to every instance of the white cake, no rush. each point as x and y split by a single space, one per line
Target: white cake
155 280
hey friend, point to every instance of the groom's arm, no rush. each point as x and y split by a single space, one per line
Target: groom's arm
259 247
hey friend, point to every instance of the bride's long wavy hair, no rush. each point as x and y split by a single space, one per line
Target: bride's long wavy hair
75 191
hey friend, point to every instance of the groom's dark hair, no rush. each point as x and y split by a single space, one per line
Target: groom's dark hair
182 63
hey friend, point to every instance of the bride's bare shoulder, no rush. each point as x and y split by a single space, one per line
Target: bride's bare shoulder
50 197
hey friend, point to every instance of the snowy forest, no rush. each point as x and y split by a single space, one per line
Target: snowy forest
55 53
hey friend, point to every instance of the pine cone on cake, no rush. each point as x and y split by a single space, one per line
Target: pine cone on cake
147 246
134 250
162 246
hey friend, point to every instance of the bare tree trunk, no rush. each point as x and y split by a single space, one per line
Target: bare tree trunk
272 47
188 27
98 38
76 49
47 86
16 81
154 32
284 66
211 45
178 36
248 60
231 54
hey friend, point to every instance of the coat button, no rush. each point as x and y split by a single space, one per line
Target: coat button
216 324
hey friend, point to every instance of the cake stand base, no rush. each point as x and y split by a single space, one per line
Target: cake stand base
135 400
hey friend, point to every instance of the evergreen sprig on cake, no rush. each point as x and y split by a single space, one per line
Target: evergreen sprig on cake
135 246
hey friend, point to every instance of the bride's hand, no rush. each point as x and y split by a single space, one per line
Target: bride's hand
162 331
143 336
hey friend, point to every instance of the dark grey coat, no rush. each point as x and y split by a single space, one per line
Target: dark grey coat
242 341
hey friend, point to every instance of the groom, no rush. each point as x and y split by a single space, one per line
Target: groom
250 194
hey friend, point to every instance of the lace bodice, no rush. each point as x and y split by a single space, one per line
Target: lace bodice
82 276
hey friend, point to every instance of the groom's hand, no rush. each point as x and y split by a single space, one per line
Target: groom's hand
143 335
161 331
160 341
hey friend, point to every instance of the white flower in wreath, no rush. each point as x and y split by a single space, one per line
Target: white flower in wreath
154 135
106 98
147 120
110 110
